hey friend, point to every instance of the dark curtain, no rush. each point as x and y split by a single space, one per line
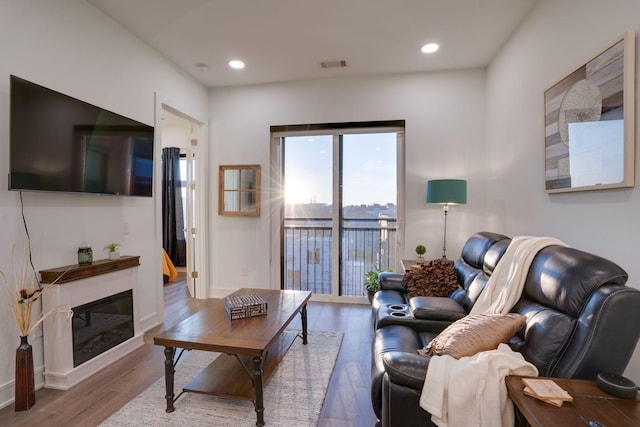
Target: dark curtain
173 238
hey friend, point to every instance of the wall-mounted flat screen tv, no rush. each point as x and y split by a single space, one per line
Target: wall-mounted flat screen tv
59 143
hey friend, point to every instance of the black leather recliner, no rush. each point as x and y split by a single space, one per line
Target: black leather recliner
581 320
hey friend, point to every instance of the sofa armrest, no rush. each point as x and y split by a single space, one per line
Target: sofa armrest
391 281
407 369
436 308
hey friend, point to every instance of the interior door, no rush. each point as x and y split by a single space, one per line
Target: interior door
191 229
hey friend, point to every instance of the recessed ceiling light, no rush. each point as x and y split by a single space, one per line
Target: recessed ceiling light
202 67
430 47
236 64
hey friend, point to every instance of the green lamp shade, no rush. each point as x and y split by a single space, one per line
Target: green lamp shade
447 191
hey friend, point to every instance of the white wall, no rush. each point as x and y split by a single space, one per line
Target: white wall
445 128
556 38
71 47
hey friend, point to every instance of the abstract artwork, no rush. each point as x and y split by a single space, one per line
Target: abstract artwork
589 123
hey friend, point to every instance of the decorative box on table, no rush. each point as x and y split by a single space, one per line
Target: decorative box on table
242 306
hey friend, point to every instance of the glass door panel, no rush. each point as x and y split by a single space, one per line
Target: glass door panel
308 204
368 209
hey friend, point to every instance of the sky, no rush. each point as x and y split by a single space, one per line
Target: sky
369 169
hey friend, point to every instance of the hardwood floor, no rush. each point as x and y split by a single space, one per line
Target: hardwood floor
89 403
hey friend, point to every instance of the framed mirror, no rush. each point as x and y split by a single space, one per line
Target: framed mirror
239 190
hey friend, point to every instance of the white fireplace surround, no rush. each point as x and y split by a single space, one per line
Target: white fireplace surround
59 372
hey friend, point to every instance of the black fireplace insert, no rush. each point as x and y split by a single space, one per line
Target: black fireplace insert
101 325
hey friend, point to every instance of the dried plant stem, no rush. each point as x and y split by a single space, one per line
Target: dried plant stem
21 296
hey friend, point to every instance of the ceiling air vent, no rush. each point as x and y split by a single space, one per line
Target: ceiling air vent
333 64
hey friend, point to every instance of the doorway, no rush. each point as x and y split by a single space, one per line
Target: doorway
181 134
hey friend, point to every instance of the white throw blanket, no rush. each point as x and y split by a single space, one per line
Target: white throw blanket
470 391
504 287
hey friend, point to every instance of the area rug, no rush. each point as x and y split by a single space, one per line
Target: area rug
293 395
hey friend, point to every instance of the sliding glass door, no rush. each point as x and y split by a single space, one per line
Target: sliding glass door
339 212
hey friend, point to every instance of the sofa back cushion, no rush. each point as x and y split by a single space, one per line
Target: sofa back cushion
480 255
559 285
473 254
563 278
493 255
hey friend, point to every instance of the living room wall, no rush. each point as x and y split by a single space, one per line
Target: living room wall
71 47
445 127
556 38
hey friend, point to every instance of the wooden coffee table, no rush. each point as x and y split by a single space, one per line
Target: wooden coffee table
253 346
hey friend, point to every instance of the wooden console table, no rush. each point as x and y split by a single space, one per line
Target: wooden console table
589 404
408 264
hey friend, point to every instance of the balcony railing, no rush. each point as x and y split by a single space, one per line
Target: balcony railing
365 243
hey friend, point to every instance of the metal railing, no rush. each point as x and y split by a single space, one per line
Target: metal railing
365 244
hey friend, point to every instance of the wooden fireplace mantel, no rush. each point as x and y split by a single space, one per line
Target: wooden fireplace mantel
74 272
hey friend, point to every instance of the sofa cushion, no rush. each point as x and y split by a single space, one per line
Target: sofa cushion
494 254
545 335
564 278
476 247
475 333
391 338
432 278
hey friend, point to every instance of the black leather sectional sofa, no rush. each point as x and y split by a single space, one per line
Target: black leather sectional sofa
581 319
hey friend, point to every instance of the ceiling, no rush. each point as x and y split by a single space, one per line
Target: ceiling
285 40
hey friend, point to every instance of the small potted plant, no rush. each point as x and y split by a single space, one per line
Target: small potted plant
113 249
420 250
371 282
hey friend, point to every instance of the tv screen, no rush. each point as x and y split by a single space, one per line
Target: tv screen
59 143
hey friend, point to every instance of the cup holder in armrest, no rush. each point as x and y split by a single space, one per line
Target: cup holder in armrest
393 313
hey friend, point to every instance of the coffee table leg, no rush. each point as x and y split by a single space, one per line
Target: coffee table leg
303 314
169 371
257 388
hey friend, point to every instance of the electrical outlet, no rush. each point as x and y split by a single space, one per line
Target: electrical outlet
244 270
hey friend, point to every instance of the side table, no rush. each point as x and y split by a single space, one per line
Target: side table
408 264
589 404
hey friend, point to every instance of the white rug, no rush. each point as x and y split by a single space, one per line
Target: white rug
293 395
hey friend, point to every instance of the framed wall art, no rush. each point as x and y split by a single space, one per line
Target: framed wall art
589 123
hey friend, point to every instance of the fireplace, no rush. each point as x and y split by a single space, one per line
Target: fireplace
101 325
105 325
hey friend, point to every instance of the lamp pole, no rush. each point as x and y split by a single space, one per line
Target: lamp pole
444 239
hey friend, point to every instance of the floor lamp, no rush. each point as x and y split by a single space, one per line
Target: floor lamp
446 192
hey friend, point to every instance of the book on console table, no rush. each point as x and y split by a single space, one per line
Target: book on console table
243 306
